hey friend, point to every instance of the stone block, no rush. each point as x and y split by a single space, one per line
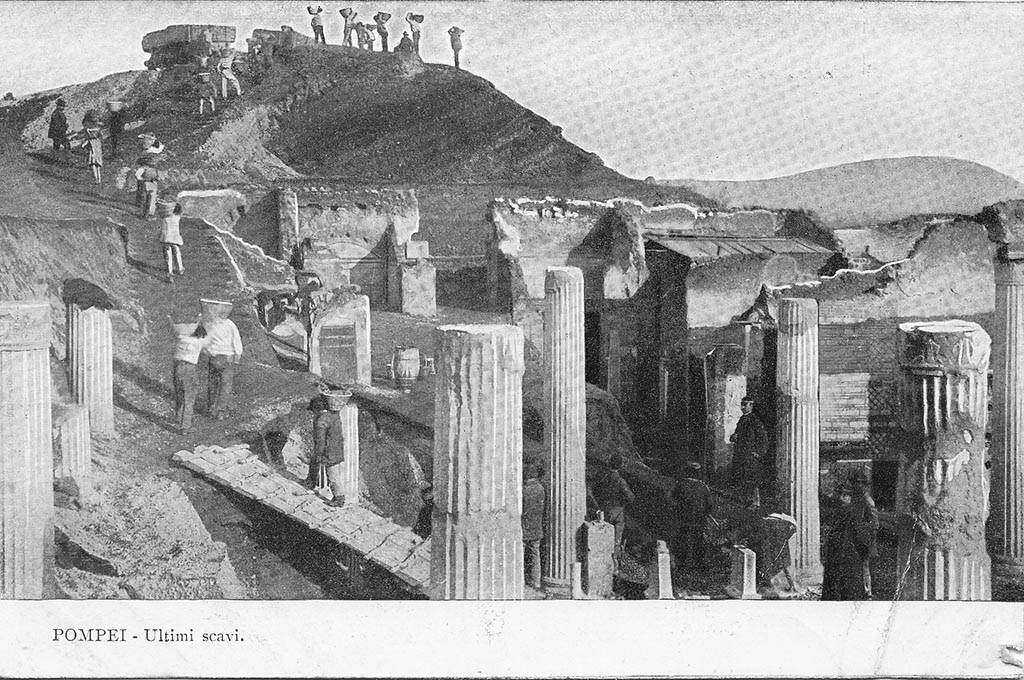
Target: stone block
415 250
743 574
339 344
598 558
418 288
660 574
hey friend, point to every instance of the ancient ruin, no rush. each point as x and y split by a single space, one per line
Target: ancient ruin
339 337
564 422
940 508
477 546
26 494
90 364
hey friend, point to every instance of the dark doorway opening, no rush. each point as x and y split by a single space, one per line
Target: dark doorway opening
592 347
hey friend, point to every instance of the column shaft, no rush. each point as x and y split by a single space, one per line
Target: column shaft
477 535
91 364
565 422
798 430
350 426
940 508
1007 489
26 456
75 443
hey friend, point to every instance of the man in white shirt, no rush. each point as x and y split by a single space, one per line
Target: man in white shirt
317 22
224 346
414 21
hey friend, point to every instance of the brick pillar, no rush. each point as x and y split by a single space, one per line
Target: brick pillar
565 422
350 426
940 509
725 385
91 364
477 535
26 455
798 431
1007 494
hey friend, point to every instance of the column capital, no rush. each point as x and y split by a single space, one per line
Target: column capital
24 325
1009 266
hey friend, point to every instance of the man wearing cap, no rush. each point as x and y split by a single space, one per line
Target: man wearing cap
692 499
58 131
534 501
328 450
224 347
865 524
846 552
750 446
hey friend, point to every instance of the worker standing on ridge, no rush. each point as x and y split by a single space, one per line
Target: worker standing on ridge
350 23
317 22
361 35
368 34
227 58
456 37
58 131
414 26
381 18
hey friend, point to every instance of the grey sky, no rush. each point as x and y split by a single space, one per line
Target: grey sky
715 90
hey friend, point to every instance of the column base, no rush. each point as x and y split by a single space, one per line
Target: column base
812 576
1008 567
556 587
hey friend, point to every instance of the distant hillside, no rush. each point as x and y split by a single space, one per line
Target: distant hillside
870 192
368 117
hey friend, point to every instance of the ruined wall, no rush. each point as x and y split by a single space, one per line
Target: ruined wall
722 290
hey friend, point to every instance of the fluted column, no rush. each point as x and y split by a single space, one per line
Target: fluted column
26 451
940 508
1007 491
565 422
350 427
75 443
477 535
798 430
91 364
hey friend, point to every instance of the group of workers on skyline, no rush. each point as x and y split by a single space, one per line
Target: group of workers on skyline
365 37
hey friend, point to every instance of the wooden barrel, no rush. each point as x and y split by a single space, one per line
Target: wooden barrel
406 365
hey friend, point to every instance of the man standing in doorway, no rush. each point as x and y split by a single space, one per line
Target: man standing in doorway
749 447
534 501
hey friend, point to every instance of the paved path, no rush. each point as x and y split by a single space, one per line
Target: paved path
375 538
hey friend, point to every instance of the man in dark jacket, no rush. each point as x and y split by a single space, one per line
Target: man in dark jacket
749 448
692 499
534 500
849 548
58 131
613 497
328 450
115 124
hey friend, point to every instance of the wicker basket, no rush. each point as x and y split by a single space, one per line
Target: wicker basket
185 329
336 399
115 106
165 208
215 309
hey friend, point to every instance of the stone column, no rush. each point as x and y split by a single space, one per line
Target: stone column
940 510
26 455
565 423
477 535
725 386
350 426
798 431
1007 494
91 364
71 424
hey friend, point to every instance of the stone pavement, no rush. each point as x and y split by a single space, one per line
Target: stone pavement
377 539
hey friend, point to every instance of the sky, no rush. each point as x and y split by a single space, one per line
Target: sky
711 90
